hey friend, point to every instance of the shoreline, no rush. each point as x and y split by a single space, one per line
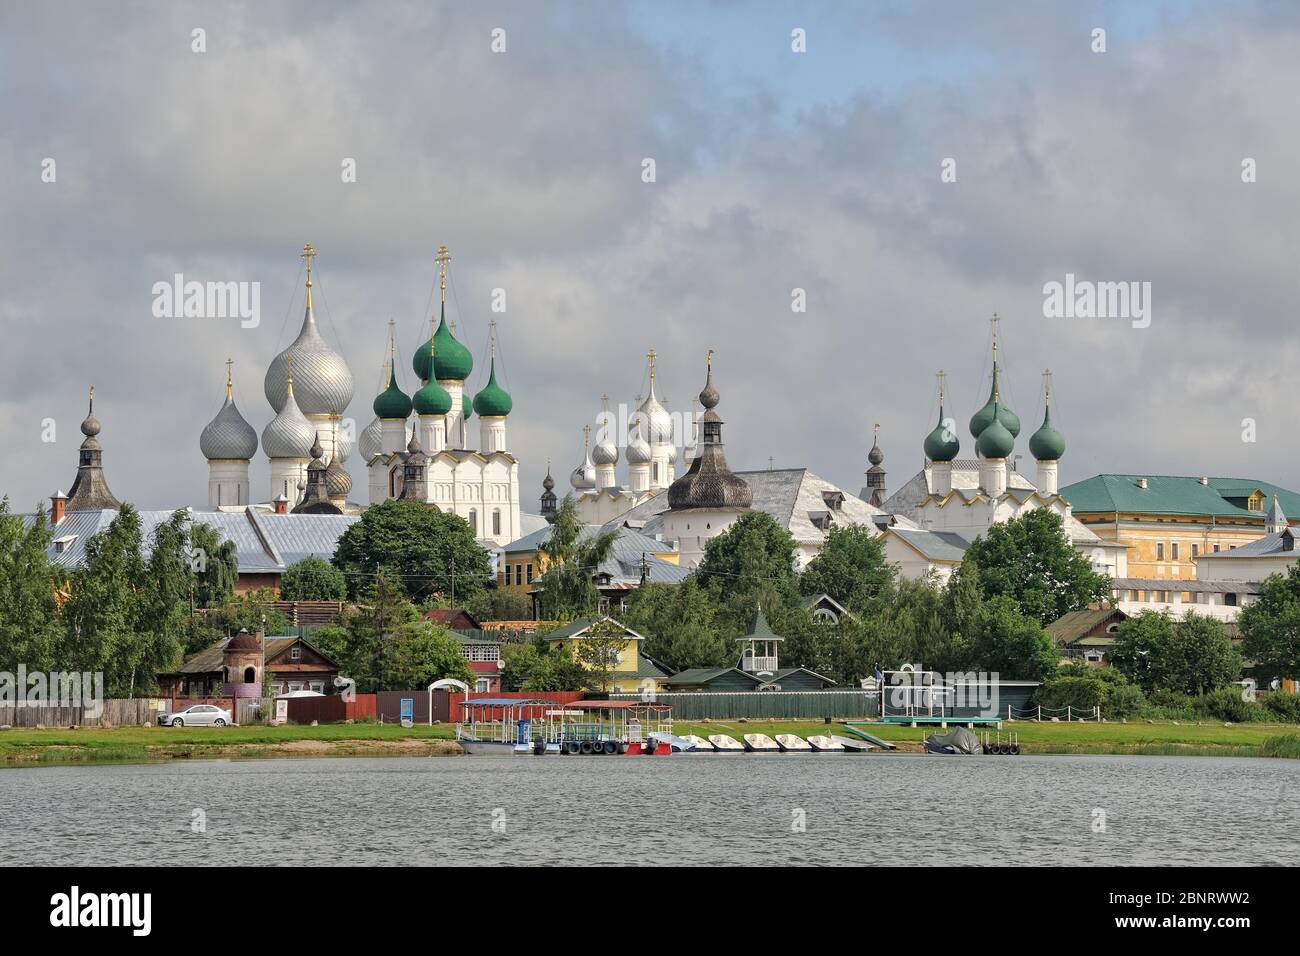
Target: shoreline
22 747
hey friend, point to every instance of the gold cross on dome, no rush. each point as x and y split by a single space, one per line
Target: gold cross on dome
442 258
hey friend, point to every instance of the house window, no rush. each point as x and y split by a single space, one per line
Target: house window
496 520
519 574
1160 550
1230 600
295 652
1216 549
318 686
1173 548
482 685
473 519
1196 550
530 573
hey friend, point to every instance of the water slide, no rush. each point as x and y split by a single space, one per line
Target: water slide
870 738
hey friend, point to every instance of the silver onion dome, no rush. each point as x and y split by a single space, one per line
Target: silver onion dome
290 434
659 423
322 379
228 435
638 450
338 482
605 452
370 441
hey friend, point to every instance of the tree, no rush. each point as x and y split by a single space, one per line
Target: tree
1010 644
599 650
217 566
367 647
500 604
1191 656
679 623
851 568
30 628
421 653
420 550
571 558
556 670
749 564
106 613
312 579
1031 560
1270 627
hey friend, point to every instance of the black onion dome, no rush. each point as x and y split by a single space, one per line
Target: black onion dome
710 483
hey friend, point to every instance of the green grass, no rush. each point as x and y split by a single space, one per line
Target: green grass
22 747
1160 738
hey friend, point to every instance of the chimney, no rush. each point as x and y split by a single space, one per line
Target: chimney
1142 483
281 504
1204 481
58 504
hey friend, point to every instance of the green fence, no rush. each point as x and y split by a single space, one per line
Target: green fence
767 705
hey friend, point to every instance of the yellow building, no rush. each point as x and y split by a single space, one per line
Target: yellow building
1167 522
632 672
521 562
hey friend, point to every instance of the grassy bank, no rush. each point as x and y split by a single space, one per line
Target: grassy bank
1159 738
21 747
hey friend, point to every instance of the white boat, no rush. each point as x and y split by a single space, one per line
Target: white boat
761 744
824 744
791 744
701 745
852 745
726 745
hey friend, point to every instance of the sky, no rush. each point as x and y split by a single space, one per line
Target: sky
775 171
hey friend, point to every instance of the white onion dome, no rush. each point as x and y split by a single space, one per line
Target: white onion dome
606 451
290 434
658 422
371 440
322 378
584 476
228 436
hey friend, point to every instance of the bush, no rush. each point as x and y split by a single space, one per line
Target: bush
1126 700
1282 706
1077 693
1284 745
1226 703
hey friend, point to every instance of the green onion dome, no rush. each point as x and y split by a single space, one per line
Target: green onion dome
980 420
493 400
1047 444
432 399
451 360
392 402
941 444
996 440
466 405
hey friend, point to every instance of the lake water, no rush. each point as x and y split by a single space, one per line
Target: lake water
911 809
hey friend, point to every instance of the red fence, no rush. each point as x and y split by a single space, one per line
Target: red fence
327 710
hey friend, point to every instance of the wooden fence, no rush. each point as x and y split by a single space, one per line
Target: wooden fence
115 713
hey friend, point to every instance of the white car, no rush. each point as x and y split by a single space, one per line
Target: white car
200 715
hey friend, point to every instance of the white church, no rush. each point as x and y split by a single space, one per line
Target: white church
419 447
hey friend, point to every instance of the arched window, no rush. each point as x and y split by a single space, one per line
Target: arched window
250 675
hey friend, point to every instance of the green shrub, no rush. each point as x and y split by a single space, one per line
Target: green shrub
1078 693
1126 700
1226 703
1282 706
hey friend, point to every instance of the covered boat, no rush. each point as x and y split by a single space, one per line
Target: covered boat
701 745
959 740
824 744
726 745
852 745
792 744
503 726
761 743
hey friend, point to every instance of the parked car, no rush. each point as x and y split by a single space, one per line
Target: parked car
200 715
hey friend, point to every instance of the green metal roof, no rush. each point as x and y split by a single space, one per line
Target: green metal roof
761 630
1170 494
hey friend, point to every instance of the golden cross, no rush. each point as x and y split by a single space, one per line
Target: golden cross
651 356
442 258
942 377
492 336
230 381
995 320
709 359
1047 386
586 436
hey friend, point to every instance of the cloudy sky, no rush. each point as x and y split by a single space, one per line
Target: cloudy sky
775 171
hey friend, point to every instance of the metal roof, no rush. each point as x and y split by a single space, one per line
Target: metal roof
1173 494
935 545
